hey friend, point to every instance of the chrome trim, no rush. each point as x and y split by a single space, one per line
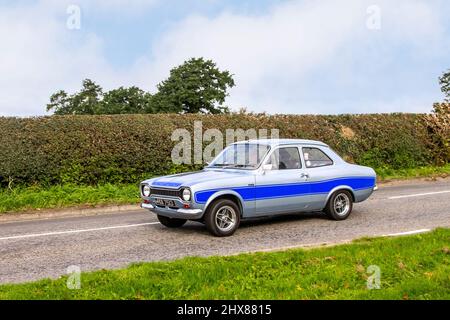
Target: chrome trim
181 210
147 206
375 188
189 211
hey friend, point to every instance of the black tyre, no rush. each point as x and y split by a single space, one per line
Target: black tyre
222 218
171 222
339 205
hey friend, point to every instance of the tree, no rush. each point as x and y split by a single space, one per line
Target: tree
195 86
92 100
444 81
84 102
125 100
60 102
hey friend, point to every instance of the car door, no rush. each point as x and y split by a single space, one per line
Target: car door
321 171
280 186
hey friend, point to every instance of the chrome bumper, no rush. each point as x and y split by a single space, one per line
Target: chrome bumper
375 188
174 213
147 206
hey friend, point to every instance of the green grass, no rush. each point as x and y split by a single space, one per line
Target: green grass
420 172
412 267
32 198
21 199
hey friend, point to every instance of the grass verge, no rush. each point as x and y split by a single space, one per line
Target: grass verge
411 173
34 198
411 267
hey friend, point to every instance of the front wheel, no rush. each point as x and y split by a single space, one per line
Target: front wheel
339 205
171 222
222 218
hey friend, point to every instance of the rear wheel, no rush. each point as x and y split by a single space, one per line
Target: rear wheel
222 218
339 205
171 222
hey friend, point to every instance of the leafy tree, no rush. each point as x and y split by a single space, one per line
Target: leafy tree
125 100
60 102
444 81
158 104
195 86
84 102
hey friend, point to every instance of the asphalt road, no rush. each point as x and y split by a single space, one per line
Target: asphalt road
31 250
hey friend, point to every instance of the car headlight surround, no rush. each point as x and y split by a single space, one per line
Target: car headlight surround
146 190
186 194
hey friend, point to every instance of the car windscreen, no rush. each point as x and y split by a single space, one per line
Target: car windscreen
241 155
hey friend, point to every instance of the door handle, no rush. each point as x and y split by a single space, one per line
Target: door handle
304 175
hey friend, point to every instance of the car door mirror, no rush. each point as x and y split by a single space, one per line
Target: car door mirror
267 167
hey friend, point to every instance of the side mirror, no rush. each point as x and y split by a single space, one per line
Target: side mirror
267 167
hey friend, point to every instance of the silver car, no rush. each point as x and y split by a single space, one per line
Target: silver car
260 178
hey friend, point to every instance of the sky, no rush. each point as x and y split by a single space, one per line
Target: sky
296 57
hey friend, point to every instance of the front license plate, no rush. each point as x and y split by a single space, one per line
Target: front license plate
165 202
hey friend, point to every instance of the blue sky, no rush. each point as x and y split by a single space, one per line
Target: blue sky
299 56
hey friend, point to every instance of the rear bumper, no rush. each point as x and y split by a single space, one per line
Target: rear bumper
181 213
363 194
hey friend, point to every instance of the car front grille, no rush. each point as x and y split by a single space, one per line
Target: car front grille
165 192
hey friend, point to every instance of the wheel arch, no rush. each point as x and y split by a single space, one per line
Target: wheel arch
343 187
226 194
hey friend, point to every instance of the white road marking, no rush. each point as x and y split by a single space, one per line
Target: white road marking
418 194
406 233
35 235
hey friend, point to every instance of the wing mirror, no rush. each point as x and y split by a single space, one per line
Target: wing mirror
267 167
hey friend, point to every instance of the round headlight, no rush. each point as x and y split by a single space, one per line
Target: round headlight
146 191
186 194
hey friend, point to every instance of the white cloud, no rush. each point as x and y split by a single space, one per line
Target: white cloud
278 58
38 57
105 6
275 55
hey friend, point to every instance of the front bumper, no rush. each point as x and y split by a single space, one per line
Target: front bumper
180 213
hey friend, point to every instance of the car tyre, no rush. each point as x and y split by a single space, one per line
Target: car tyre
339 205
171 222
222 218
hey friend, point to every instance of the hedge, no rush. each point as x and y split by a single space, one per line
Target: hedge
125 148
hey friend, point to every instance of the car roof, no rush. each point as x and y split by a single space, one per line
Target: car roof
278 142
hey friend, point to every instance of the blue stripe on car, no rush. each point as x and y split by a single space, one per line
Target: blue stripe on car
166 184
249 193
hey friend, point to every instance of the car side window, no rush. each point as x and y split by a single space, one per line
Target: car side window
285 158
316 158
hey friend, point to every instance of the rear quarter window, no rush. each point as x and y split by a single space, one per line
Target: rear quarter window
315 158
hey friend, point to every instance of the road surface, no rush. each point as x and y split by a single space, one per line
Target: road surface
31 250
